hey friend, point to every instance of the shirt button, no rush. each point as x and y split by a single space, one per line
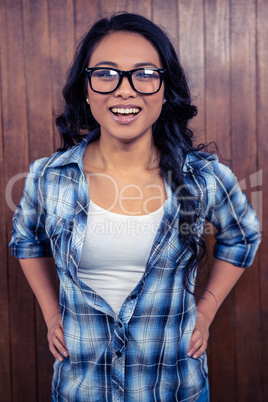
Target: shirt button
118 353
133 297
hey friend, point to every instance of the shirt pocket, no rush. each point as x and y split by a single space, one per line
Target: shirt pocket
176 251
54 226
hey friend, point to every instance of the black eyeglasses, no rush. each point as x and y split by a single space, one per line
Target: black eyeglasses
146 81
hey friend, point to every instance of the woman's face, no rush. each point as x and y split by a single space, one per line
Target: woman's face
125 51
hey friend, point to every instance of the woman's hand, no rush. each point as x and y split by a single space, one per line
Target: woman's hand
223 277
55 336
199 339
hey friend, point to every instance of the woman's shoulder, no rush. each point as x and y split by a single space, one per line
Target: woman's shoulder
205 171
59 159
207 163
39 165
199 161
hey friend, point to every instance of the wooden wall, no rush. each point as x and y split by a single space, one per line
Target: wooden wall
223 45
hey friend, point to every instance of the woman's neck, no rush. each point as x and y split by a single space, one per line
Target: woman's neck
112 154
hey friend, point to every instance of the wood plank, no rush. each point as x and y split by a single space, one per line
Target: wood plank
217 76
86 13
192 55
62 46
38 79
108 7
40 137
141 7
262 57
190 37
5 337
16 161
218 127
244 148
165 13
44 359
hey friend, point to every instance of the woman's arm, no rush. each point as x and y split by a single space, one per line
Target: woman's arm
40 273
222 279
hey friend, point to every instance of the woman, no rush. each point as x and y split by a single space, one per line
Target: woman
121 208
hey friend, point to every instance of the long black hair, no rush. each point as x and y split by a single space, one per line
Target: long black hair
171 134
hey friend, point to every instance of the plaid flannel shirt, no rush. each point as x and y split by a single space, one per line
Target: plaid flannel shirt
141 354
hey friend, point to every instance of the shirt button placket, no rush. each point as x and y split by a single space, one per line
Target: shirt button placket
118 364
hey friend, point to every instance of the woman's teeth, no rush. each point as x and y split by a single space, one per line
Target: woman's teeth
118 110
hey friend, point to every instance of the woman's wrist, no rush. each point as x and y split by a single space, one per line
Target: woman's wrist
50 316
207 308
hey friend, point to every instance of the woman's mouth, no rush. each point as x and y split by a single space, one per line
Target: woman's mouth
118 111
125 115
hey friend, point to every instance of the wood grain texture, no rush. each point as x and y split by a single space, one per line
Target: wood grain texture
244 148
218 129
86 13
223 47
38 79
165 14
15 135
262 189
62 45
5 337
40 140
192 54
217 76
107 8
142 7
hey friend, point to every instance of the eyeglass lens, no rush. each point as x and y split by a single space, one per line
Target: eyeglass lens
144 80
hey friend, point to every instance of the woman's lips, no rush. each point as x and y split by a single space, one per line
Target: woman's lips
124 118
125 110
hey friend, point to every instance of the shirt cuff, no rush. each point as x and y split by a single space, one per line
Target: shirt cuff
30 251
240 255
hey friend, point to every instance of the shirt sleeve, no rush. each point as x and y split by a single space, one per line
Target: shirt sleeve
238 235
29 238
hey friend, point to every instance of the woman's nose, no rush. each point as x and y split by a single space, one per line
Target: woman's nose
125 89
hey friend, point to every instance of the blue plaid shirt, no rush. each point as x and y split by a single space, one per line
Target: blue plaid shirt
141 354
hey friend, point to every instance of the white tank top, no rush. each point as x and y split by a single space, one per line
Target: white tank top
115 252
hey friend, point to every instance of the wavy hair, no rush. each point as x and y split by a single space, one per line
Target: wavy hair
171 134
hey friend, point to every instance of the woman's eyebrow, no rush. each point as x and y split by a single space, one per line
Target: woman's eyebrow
137 65
107 63
147 64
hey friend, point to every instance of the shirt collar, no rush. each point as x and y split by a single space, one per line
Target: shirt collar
198 161
74 154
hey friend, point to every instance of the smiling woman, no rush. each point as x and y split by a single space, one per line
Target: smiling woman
126 90
122 207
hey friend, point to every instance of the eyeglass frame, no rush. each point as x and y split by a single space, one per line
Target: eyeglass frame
128 74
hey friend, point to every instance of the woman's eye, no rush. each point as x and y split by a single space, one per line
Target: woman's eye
146 74
105 74
143 75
